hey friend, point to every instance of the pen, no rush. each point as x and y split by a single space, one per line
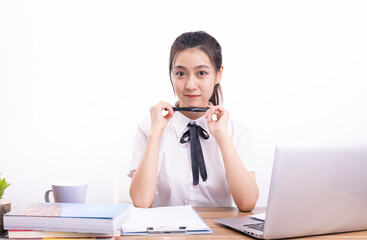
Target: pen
191 109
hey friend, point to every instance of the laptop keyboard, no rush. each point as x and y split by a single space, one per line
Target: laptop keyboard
257 226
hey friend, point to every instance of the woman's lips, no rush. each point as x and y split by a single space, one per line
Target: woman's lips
192 96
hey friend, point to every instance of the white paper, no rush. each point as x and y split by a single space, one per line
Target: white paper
260 216
163 217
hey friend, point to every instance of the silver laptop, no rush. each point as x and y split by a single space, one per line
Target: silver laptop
314 190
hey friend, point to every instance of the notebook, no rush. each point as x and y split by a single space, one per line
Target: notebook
315 189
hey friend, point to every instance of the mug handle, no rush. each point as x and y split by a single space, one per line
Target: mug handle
47 196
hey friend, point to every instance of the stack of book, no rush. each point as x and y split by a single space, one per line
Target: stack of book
66 220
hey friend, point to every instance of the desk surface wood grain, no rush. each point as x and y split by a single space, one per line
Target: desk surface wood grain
226 233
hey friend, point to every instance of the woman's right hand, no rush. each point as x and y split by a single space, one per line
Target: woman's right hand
144 183
158 120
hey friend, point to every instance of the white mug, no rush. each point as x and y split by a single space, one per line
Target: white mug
67 192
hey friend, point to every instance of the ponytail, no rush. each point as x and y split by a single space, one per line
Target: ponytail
217 95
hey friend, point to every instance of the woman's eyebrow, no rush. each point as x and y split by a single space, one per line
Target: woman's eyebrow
199 66
179 66
202 66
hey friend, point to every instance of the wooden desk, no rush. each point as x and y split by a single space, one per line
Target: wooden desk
225 233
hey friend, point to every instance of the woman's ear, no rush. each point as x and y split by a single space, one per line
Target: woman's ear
219 75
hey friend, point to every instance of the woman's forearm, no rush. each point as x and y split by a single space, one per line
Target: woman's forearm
144 182
242 183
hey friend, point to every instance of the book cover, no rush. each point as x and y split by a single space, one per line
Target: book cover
31 234
68 217
70 210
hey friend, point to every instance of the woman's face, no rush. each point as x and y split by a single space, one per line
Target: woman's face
194 77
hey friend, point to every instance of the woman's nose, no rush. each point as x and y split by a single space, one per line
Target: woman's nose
191 83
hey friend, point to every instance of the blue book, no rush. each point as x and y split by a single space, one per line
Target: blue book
68 217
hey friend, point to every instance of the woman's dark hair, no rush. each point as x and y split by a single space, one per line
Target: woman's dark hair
208 45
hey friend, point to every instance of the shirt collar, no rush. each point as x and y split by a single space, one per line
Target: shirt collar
180 122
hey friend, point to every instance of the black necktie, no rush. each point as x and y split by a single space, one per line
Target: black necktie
197 158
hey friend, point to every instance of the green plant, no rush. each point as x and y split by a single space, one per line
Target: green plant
3 186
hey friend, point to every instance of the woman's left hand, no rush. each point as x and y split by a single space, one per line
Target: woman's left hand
218 125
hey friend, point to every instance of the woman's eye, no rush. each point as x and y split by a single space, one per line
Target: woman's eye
202 73
180 74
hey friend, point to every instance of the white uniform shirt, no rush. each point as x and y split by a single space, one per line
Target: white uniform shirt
175 182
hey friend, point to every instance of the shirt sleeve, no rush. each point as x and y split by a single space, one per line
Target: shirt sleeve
140 142
242 141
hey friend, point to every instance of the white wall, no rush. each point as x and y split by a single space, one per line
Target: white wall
76 76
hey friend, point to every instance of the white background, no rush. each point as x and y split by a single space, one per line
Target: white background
76 76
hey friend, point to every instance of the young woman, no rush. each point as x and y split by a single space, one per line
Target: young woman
193 158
